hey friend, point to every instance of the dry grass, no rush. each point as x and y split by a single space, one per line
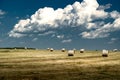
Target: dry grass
46 65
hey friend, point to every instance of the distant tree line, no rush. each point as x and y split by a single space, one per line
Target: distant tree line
16 48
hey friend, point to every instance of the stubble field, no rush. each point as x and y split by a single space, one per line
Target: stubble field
57 65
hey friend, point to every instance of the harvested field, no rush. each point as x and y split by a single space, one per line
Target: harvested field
44 65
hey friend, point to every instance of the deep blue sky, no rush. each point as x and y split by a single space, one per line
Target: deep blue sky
16 10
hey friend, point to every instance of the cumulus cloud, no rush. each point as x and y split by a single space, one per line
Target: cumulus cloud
115 14
67 41
87 15
99 32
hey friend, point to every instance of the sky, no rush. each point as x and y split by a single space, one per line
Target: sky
88 24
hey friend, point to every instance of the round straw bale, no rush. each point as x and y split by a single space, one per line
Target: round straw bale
71 52
105 53
115 50
48 48
51 49
25 47
82 50
63 49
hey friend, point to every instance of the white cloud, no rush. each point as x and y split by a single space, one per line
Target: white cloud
17 35
17 17
99 32
116 23
60 36
87 15
104 29
113 40
91 25
103 7
46 33
115 14
35 39
2 12
67 41
53 35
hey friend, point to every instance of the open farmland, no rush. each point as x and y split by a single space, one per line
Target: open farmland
57 65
